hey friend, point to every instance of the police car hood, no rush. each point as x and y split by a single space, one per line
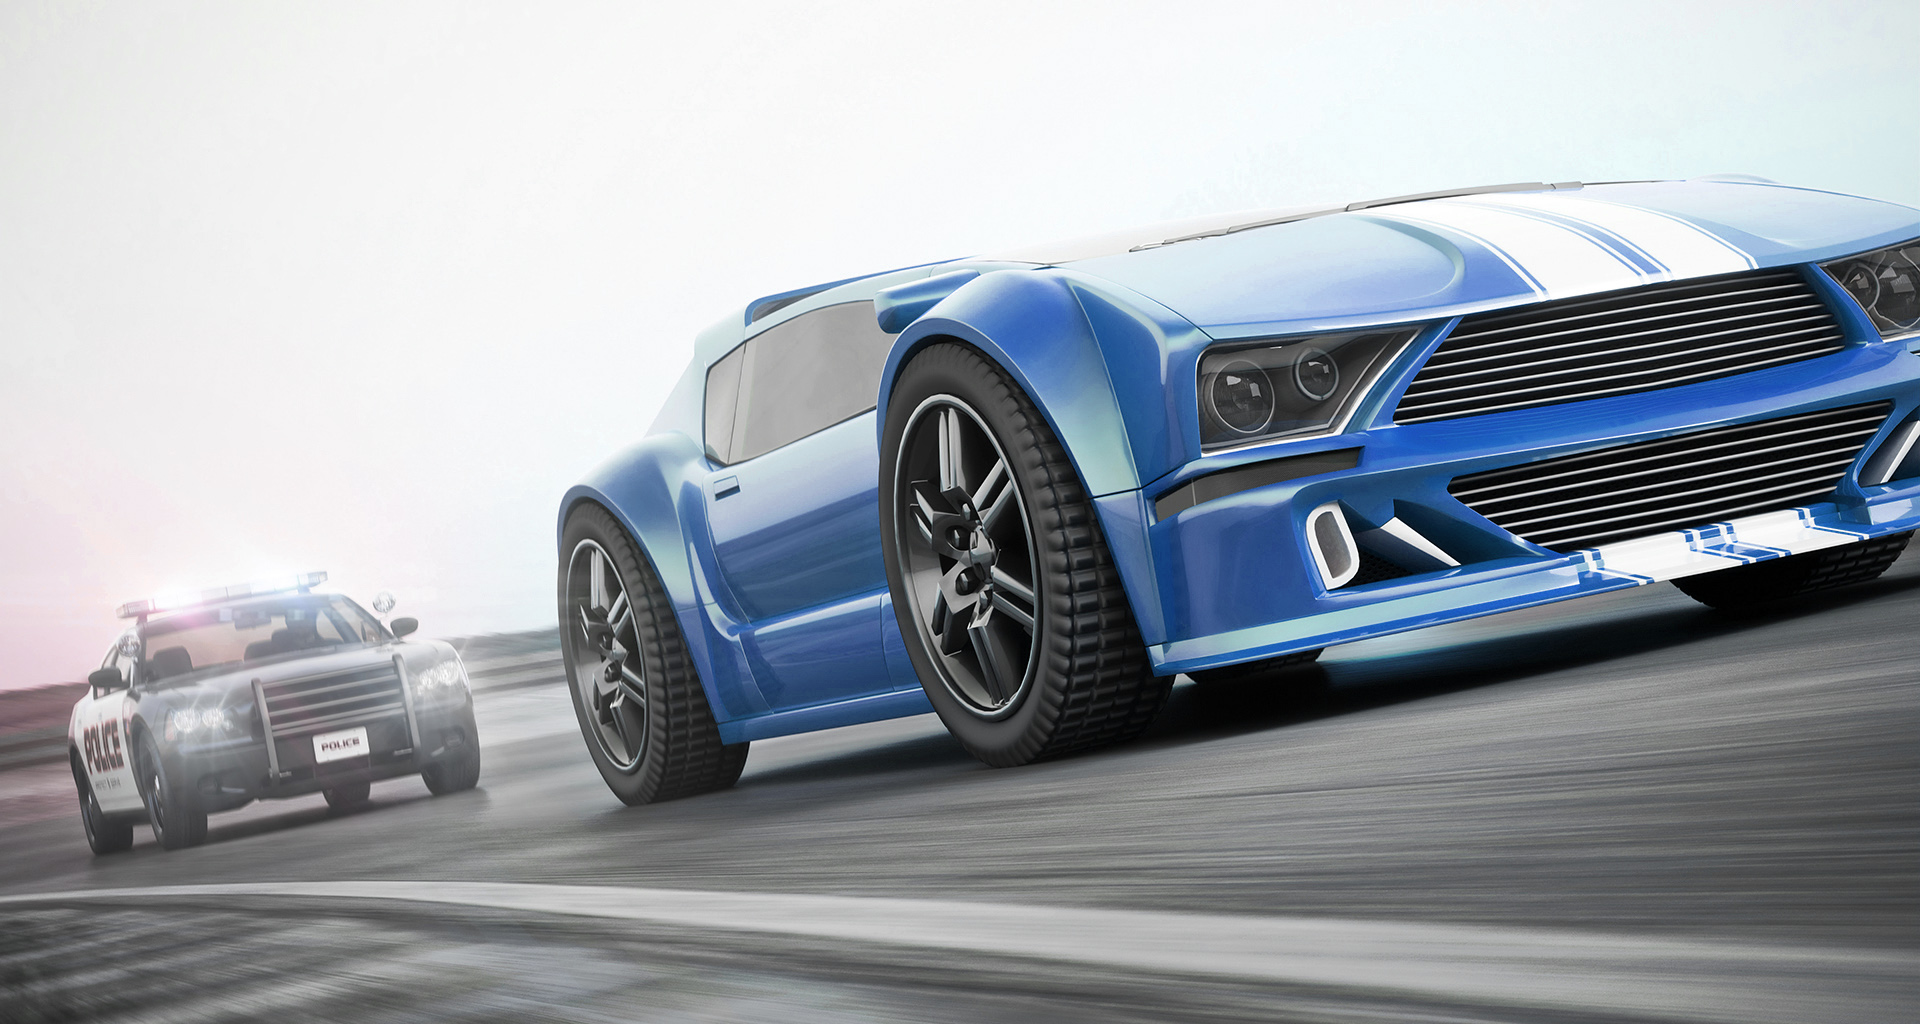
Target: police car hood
1444 257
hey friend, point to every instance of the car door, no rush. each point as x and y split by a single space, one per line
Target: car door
793 502
106 748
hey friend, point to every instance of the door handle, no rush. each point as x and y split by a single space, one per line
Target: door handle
725 486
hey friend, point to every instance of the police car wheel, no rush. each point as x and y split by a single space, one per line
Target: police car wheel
460 771
104 835
635 690
347 797
173 810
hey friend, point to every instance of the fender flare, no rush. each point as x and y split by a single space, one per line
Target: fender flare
651 491
1098 363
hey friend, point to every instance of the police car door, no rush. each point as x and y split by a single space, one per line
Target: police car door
100 724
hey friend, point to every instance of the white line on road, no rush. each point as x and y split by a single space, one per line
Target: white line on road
1656 976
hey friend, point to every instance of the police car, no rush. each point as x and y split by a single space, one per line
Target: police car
258 691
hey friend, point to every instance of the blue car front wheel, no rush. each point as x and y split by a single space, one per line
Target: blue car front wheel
1008 599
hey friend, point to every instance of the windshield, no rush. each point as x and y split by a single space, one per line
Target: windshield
267 628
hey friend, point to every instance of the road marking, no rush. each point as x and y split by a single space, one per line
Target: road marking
1663 977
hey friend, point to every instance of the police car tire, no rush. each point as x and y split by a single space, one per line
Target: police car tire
181 821
684 755
1763 583
459 772
104 835
349 796
1093 685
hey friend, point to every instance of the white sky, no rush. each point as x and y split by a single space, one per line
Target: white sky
365 287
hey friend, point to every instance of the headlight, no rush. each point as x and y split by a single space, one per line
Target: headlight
1282 387
447 675
1886 283
204 722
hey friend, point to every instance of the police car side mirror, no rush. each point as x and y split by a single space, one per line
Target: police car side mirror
105 680
404 625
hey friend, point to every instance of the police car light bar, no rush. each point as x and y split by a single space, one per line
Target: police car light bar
174 602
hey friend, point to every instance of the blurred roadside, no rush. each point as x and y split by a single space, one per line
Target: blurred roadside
33 722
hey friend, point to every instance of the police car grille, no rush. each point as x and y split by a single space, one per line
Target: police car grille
1641 339
339 700
1635 490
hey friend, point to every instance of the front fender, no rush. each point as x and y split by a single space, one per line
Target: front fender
654 490
1099 363
1093 358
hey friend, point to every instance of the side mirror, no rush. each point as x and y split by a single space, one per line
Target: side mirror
106 680
404 625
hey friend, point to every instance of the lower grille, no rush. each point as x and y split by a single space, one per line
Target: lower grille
339 700
1634 490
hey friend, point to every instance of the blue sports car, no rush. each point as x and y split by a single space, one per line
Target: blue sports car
1025 491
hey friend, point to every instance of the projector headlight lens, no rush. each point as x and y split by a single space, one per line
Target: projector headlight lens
1886 284
1320 378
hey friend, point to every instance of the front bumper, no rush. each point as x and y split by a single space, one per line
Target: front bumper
229 773
1231 580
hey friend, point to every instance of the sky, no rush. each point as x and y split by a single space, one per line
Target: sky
364 287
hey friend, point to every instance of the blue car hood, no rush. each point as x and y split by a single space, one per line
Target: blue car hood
1443 257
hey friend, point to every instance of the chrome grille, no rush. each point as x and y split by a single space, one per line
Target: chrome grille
1635 490
1642 339
334 701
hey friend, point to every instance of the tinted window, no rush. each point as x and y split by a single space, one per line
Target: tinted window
723 393
805 375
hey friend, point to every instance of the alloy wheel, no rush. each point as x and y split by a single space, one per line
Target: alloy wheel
967 555
603 653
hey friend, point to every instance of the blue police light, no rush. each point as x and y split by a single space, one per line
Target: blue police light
174 602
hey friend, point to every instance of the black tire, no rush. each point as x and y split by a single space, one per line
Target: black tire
174 811
1762 583
349 796
459 771
1087 682
1256 672
104 835
651 732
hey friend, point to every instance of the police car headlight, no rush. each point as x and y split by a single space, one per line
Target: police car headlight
1886 284
444 677
200 722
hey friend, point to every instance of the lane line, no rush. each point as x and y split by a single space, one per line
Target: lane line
1661 977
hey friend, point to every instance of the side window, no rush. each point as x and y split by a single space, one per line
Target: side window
723 397
805 375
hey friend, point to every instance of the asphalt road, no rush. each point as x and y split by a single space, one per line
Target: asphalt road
1625 808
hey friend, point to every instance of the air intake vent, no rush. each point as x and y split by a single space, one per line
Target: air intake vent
1636 490
1642 339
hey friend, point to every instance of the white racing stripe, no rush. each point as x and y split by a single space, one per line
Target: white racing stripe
1659 976
1670 556
1683 249
1564 245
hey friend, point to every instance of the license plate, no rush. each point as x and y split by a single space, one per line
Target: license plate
335 746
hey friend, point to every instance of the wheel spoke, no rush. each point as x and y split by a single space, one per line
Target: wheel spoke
1003 604
596 579
990 517
632 686
620 728
989 485
995 671
617 611
952 473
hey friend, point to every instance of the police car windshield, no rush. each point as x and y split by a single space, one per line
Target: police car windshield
231 634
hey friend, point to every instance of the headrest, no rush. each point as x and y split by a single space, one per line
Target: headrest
170 661
259 649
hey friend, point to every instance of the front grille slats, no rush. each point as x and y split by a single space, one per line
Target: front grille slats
1641 339
1639 489
318 703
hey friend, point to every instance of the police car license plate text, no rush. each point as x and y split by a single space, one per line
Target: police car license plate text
334 746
